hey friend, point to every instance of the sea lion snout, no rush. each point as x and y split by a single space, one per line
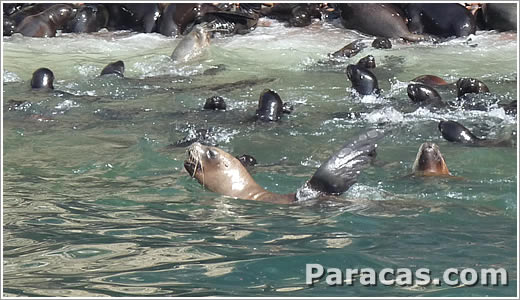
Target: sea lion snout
429 161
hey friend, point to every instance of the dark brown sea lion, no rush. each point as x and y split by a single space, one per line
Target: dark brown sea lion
382 20
382 43
47 22
430 80
270 107
363 81
215 103
349 50
367 62
90 17
222 173
470 85
424 95
430 162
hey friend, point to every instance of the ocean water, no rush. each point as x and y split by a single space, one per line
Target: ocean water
95 203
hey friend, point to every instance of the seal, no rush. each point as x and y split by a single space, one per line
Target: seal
424 95
363 81
47 22
381 20
440 19
430 162
270 107
470 85
117 68
455 132
42 78
247 160
222 173
192 45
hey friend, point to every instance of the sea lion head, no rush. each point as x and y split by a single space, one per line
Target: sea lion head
116 68
368 62
420 93
60 14
201 36
470 85
219 171
429 161
42 78
270 106
363 81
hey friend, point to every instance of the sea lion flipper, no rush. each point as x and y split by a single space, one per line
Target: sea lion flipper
340 171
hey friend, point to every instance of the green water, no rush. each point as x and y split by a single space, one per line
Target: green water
95 204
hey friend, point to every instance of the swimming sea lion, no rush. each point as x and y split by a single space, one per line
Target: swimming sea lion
430 80
470 85
429 161
383 20
192 45
247 160
367 62
215 103
222 173
382 43
349 50
47 22
363 81
270 107
42 78
116 68
440 19
424 95
455 132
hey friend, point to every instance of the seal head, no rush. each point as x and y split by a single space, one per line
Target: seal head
42 78
429 161
363 81
270 107
116 68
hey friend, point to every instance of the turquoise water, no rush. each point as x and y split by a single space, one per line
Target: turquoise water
96 204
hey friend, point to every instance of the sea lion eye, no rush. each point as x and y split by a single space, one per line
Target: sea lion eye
211 154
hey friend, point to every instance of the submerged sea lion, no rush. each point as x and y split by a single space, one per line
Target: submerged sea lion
382 43
222 173
47 22
42 78
349 50
247 160
367 62
430 80
363 81
455 132
215 103
116 68
429 161
192 45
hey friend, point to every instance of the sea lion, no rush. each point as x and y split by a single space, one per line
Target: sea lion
382 20
215 103
382 43
424 95
430 162
470 85
440 19
430 80
42 78
270 107
455 132
500 16
363 81
349 50
47 22
89 17
192 45
367 62
116 68
14 17
222 173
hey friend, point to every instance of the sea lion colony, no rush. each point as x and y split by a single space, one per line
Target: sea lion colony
196 23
